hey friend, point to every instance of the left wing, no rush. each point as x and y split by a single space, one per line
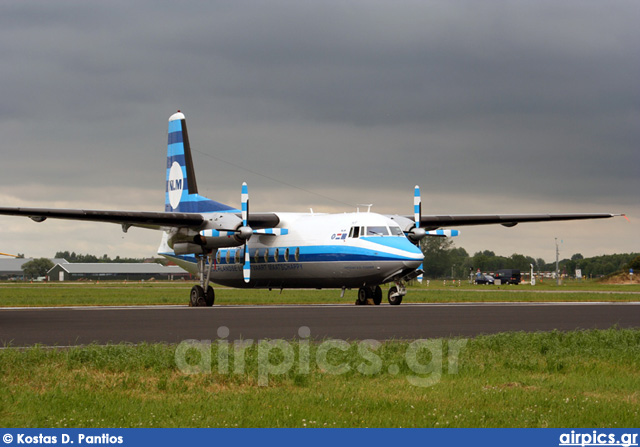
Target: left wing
145 219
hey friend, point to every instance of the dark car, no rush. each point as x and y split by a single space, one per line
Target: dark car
484 279
509 276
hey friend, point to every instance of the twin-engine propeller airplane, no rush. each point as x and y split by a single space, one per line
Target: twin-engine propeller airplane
237 248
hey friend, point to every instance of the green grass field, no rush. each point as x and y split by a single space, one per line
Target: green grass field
575 379
578 379
115 293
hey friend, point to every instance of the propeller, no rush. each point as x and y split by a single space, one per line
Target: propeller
245 232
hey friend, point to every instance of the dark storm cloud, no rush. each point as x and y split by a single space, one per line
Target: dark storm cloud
529 99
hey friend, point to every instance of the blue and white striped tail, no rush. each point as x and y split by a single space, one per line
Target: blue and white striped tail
182 190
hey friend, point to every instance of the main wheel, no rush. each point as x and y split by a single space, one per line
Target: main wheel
393 296
197 297
210 296
363 295
377 296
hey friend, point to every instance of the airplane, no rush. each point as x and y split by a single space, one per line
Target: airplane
234 247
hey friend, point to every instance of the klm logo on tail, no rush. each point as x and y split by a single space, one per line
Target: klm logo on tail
176 184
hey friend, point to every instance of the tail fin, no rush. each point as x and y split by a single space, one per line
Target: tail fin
182 189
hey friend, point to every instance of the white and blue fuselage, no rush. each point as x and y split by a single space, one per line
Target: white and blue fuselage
319 251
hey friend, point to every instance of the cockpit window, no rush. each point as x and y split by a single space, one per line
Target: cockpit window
377 231
354 232
396 231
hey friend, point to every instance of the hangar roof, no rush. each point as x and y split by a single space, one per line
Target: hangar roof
13 266
120 268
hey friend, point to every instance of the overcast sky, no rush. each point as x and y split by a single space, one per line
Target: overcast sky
492 107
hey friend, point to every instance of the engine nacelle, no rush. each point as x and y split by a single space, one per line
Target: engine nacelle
221 231
214 239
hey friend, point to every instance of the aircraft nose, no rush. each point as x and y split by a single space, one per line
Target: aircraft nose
413 263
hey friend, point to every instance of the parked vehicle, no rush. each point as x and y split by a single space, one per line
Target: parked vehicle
509 276
484 279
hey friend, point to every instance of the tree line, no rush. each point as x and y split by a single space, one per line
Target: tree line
444 260
74 257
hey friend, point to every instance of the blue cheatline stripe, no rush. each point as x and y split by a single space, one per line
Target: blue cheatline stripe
319 253
400 243
304 257
174 137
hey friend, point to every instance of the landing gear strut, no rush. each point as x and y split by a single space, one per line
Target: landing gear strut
198 297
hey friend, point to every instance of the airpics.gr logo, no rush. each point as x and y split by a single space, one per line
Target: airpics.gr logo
175 184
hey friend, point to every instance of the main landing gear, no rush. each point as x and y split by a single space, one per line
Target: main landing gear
373 295
203 294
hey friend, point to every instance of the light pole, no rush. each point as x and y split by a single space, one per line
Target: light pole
557 264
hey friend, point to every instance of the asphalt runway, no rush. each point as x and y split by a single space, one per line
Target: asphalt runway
172 324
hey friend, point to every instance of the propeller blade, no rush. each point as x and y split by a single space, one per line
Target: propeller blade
417 216
417 206
272 232
245 204
246 268
443 233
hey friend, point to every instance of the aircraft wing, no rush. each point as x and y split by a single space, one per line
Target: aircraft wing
145 219
507 220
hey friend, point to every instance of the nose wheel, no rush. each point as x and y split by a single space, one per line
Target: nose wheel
396 293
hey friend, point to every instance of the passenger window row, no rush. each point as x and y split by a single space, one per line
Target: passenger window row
258 255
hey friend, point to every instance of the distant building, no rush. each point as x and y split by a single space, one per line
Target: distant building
115 271
11 268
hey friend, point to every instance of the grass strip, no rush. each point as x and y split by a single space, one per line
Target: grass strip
104 293
554 379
